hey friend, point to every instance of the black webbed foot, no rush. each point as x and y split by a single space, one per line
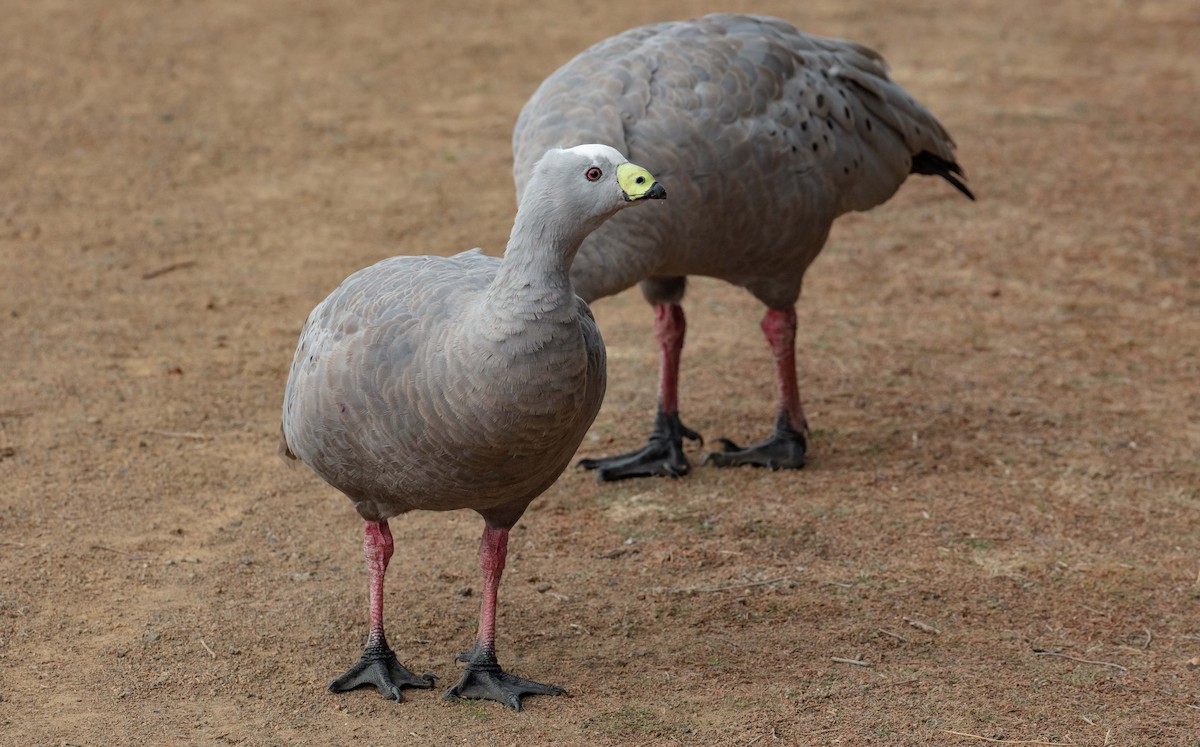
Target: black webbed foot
662 456
483 679
785 449
380 668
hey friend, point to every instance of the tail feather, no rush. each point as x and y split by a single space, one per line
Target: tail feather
285 452
934 165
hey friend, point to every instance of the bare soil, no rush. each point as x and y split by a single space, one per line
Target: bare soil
1000 516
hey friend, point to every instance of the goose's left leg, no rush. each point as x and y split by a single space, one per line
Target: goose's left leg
483 678
663 453
786 447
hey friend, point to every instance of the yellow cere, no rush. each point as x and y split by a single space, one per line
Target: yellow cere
634 180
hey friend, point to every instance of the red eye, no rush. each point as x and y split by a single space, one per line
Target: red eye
593 174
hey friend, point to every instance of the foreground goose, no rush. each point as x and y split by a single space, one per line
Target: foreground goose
463 382
766 135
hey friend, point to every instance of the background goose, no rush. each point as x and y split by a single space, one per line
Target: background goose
461 382
766 135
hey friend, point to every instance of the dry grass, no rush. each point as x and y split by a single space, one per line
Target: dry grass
998 522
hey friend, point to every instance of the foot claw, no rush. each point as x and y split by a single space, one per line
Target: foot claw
662 456
689 434
483 679
727 445
785 449
380 669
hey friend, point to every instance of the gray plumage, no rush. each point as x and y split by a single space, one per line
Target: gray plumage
766 135
419 385
441 383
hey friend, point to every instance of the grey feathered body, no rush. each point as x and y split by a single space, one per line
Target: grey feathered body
762 134
443 383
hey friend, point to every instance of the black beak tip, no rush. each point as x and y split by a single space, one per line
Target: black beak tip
657 192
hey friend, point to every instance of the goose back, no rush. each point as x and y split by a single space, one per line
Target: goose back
763 134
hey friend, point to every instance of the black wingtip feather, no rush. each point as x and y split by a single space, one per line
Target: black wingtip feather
932 165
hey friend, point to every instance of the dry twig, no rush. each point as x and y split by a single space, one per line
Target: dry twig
181 434
726 587
211 653
1008 741
855 662
908 681
183 264
106 548
617 553
889 633
1043 652
926 627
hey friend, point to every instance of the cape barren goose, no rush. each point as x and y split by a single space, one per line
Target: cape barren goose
766 135
441 383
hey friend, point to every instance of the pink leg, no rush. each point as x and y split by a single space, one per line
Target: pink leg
482 677
663 454
377 547
786 447
378 666
779 325
493 550
670 327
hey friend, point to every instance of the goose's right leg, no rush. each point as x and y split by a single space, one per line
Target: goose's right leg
379 666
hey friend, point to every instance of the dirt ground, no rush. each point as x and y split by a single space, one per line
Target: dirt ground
999 520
